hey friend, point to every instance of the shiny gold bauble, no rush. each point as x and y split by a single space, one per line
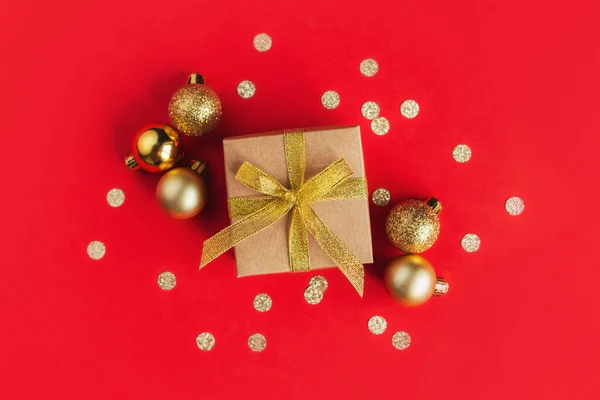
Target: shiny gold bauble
195 109
413 225
156 148
411 281
182 192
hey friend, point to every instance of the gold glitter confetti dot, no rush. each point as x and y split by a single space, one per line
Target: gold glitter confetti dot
246 89
96 250
401 340
380 197
514 206
318 282
380 126
262 42
409 108
377 325
370 110
115 197
313 295
205 341
369 67
470 242
262 302
257 342
167 280
330 99
461 153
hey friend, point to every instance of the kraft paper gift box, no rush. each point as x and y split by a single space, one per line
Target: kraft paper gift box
266 252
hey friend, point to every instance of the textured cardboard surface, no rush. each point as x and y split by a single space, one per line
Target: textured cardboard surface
267 251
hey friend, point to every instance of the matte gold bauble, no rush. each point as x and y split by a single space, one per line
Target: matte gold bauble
195 109
182 192
413 225
156 148
411 281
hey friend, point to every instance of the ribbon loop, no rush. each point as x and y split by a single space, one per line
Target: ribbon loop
259 212
324 181
257 179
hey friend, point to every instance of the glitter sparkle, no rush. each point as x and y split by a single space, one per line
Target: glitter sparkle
409 109
381 197
380 126
401 340
377 325
246 89
470 242
96 250
167 280
330 99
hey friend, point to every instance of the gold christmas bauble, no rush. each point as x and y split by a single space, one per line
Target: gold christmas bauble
182 192
156 148
195 109
413 225
411 281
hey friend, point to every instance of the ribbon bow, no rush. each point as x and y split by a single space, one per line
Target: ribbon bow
259 212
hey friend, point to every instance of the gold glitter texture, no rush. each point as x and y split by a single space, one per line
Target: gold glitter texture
380 126
262 42
257 342
262 302
313 295
195 109
470 242
369 67
409 109
318 282
370 110
412 226
380 197
115 197
330 99
205 341
96 250
401 340
246 89
377 325
514 206
461 153
167 280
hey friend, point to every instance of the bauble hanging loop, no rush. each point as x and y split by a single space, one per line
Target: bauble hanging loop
411 280
182 192
156 148
413 226
195 109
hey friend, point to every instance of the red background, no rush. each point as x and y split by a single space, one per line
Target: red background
516 81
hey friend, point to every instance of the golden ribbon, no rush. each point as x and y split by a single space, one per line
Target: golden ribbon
259 212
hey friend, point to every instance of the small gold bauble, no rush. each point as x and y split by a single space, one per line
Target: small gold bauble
156 148
413 226
195 109
411 281
182 192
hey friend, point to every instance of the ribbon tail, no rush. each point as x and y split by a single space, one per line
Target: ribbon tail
339 253
298 243
243 229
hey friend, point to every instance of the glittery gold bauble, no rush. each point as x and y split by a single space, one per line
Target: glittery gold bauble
413 225
156 148
182 192
411 281
195 109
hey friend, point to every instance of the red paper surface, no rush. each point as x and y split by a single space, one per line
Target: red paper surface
516 81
